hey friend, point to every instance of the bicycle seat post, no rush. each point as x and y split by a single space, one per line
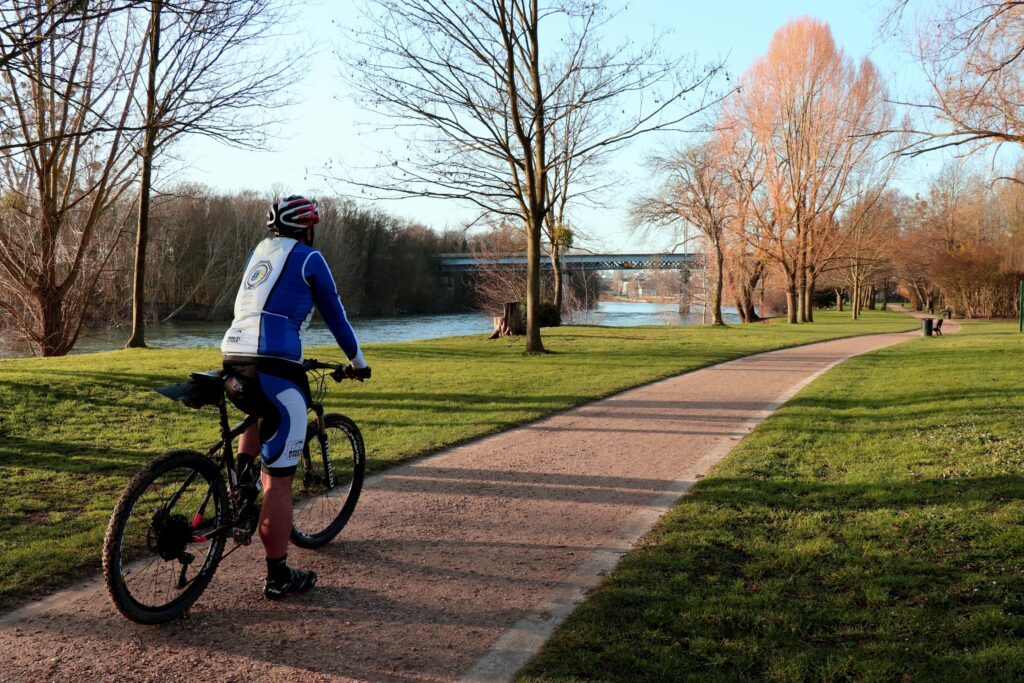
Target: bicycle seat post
225 428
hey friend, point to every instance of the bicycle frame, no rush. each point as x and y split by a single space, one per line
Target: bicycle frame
227 459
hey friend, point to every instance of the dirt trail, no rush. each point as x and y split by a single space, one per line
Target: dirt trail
456 566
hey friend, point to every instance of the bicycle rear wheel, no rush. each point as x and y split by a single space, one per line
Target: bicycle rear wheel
157 559
328 481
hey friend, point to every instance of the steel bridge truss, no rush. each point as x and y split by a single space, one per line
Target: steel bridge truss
468 262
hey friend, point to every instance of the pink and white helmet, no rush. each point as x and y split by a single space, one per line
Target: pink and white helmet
292 215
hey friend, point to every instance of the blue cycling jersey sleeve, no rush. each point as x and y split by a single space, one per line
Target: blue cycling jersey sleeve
325 294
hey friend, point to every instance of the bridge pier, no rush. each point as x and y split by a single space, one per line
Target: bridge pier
684 290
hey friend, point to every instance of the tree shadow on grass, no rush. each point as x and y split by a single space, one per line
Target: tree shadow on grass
815 496
70 457
748 578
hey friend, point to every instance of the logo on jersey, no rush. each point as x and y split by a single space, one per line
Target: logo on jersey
258 275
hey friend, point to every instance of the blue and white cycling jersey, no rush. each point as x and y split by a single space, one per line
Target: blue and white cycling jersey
283 280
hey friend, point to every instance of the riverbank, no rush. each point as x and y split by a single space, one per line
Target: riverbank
869 530
75 429
208 335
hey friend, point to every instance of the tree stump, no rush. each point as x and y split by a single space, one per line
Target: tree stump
510 323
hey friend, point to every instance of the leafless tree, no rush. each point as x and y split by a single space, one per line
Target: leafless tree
799 136
867 251
970 51
41 22
69 158
209 72
471 86
696 192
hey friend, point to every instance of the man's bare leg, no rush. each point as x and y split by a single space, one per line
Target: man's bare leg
249 442
276 515
275 532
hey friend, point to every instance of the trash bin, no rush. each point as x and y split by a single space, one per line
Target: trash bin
926 327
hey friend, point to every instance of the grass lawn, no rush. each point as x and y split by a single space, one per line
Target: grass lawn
73 430
872 529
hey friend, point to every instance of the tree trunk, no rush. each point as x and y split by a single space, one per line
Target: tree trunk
533 341
791 301
801 270
510 323
746 293
138 336
716 303
871 297
51 323
839 300
885 296
808 312
750 314
802 301
918 298
556 266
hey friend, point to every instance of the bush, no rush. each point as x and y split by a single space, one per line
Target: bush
974 284
549 314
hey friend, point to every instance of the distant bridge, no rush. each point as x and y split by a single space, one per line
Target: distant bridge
468 262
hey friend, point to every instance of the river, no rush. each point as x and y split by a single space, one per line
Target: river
389 329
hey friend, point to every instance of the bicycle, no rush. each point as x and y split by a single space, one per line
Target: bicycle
168 531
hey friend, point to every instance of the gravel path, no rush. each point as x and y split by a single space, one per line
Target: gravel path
456 566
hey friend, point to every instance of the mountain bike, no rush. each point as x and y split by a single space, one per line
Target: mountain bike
170 527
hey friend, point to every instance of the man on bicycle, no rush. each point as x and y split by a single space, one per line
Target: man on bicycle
284 277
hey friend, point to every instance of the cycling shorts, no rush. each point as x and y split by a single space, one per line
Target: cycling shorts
277 392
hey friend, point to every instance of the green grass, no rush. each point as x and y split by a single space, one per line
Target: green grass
73 430
872 529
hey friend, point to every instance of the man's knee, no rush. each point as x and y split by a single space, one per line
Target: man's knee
277 478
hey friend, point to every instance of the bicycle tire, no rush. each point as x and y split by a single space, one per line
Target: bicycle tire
314 522
121 560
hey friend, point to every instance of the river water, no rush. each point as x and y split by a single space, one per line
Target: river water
399 328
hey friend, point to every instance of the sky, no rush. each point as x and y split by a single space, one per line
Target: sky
327 126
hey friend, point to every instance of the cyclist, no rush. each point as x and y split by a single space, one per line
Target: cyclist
284 277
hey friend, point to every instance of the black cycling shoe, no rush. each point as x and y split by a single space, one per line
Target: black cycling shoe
297 581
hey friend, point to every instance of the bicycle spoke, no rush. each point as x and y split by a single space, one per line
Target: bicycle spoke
320 511
172 501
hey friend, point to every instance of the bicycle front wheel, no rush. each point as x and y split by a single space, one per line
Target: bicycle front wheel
157 558
328 481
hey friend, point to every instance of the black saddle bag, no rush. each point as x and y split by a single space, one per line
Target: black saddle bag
204 389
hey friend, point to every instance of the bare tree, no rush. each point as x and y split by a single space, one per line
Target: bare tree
872 234
206 75
696 192
68 161
471 86
799 136
37 24
970 51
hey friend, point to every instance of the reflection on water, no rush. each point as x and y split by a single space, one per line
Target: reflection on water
630 314
401 328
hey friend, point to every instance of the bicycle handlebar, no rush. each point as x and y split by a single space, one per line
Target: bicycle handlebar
339 371
314 364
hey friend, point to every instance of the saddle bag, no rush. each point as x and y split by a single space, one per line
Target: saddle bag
204 389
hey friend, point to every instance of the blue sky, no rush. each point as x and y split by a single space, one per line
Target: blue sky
328 124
